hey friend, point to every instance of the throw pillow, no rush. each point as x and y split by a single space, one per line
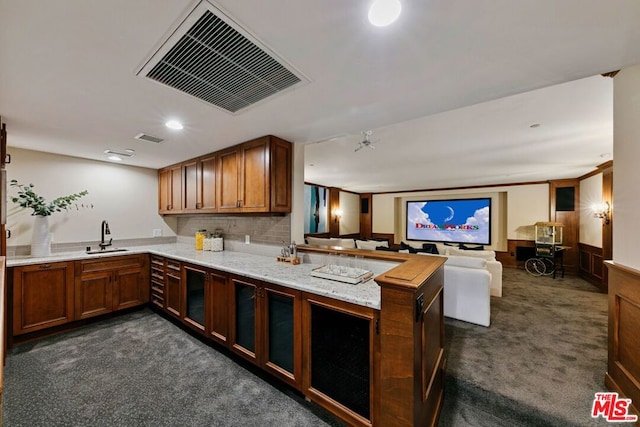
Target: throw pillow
347 243
430 248
407 247
471 247
370 244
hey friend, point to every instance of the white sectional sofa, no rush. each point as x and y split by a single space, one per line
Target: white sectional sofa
494 267
467 290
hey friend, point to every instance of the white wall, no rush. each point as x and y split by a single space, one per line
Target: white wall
590 227
626 155
350 207
516 208
297 194
125 196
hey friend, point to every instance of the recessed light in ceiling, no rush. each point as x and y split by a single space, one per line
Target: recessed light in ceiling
535 125
384 12
115 158
130 150
174 124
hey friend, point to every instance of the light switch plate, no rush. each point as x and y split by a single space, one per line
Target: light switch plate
157 232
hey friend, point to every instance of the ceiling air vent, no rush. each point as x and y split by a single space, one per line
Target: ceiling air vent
150 138
212 58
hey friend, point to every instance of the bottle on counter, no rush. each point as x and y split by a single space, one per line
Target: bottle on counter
200 235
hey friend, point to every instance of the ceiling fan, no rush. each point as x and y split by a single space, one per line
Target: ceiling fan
366 141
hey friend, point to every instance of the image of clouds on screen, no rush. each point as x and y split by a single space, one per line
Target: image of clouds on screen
480 218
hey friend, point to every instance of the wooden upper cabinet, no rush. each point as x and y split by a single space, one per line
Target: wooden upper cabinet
228 180
199 180
170 190
253 177
281 161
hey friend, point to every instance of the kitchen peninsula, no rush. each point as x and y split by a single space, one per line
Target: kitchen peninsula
372 353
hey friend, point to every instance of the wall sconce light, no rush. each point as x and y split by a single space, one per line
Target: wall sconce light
337 214
602 211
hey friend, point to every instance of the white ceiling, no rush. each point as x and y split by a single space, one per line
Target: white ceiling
439 87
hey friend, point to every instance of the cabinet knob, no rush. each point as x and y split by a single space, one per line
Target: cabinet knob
45 266
8 234
7 159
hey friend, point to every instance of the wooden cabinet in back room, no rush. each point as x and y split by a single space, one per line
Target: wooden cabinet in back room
104 285
42 296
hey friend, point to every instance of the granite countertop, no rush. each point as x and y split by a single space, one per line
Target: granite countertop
259 267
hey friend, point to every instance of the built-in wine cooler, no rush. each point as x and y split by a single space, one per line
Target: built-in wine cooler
340 358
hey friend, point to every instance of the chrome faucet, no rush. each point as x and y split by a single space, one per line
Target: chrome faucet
104 230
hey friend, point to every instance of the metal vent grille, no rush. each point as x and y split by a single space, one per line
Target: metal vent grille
218 64
150 138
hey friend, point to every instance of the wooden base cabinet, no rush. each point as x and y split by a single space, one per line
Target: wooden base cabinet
103 285
340 347
265 327
173 288
42 296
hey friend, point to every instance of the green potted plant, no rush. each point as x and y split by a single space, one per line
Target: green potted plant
27 198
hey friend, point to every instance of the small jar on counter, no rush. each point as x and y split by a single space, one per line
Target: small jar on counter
200 235
206 243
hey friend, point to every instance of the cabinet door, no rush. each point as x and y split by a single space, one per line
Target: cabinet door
42 296
207 182
164 191
339 344
228 180
282 351
281 164
244 315
193 294
93 294
255 179
172 289
217 296
170 190
130 288
190 201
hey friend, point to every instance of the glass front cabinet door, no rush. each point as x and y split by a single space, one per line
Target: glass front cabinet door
265 327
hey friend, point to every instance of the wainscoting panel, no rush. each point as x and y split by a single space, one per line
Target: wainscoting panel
623 364
591 267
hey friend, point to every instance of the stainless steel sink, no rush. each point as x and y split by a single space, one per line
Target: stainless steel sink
106 251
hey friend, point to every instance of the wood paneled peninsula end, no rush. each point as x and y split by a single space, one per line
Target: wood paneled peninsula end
372 353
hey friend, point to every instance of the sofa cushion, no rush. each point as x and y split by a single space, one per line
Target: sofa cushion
486 255
321 241
371 244
464 261
347 243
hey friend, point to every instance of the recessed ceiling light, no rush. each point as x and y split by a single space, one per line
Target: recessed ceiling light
130 150
115 158
174 124
384 12
535 125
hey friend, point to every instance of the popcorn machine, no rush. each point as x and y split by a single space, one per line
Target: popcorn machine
548 238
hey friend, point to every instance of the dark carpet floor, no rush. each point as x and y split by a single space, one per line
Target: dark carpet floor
539 364
140 370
